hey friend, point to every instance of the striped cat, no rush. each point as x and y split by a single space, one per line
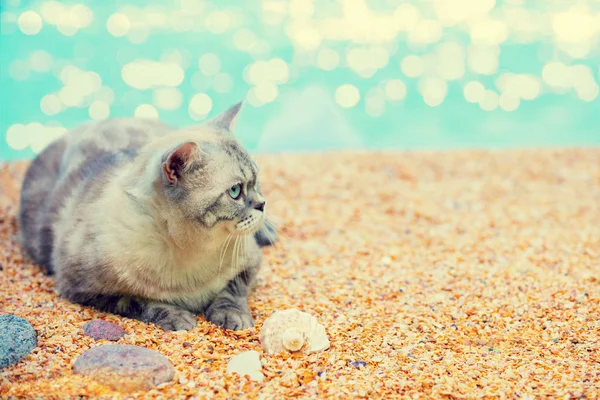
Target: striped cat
140 219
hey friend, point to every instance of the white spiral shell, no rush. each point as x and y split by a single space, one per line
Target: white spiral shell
293 330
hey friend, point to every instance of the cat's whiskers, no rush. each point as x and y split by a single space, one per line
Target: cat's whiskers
237 256
245 252
234 255
240 254
224 251
240 248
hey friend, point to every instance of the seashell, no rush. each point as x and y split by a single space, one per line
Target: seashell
246 363
293 330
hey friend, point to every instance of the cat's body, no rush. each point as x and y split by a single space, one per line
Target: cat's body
140 219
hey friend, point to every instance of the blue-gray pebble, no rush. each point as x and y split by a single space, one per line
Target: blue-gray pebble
17 339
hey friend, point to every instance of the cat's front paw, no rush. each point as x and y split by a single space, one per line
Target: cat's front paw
266 235
230 317
172 318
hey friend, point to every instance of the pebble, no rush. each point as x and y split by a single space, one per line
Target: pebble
125 367
100 329
358 364
17 339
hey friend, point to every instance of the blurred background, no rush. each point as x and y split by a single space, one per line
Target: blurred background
315 74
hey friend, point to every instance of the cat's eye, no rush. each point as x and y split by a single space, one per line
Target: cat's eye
235 191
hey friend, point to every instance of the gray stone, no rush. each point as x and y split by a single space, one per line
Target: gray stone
17 339
100 329
124 367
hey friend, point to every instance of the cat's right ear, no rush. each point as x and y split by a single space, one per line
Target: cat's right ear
178 161
226 120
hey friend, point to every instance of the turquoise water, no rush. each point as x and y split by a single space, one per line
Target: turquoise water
315 75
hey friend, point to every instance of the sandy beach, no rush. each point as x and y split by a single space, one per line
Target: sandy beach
467 274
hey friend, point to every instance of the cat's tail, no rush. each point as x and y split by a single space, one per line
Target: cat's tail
35 227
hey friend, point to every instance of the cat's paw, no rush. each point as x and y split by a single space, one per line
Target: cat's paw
266 235
173 318
230 317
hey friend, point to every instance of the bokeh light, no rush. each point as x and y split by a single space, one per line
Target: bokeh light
68 62
412 66
489 101
145 74
209 64
433 90
450 61
68 19
167 98
146 111
200 106
51 104
99 110
30 22
474 91
33 135
508 102
347 95
40 61
483 60
328 59
118 24
375 102
395 89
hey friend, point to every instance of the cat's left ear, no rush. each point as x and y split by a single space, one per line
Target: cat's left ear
178 161
227 120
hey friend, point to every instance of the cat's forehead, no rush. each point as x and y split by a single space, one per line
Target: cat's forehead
237 154
226 161
214 142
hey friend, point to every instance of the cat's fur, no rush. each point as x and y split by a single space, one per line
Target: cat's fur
135 218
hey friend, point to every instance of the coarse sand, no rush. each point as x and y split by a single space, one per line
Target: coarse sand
437 275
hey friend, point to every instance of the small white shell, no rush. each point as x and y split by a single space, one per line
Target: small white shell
293 330
246 363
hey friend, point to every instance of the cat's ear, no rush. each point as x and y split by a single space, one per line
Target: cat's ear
178 161
227 120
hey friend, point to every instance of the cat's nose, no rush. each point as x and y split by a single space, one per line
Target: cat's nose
260 206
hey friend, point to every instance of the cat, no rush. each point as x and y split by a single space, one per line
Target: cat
140 219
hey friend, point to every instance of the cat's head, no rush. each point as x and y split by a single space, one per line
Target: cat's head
211 180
